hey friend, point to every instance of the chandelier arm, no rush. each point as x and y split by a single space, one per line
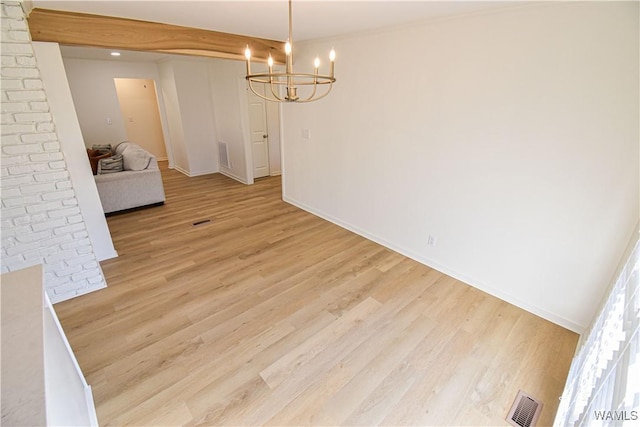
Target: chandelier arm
308 83
258 94
271 86
273 90
315 87
266 98
321 96
306 100
277 98
310 78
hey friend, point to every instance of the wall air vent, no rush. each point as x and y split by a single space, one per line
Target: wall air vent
525 411
224 154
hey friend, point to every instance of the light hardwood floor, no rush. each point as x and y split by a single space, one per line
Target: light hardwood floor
268 315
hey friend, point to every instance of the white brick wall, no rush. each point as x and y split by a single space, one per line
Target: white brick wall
41 221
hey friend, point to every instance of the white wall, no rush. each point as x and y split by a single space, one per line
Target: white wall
273 126
190 119
512 137
196 109
139 107
95 97
176 148
73 148
229 100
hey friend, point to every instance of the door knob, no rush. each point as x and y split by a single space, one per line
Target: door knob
265 136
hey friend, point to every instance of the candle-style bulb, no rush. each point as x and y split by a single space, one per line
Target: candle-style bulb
316 62
287 48
270 61
332 62
247 53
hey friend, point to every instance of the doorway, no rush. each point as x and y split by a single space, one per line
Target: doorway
141 115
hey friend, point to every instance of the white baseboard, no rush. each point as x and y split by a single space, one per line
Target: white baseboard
233 176
545 314
182 171
192 174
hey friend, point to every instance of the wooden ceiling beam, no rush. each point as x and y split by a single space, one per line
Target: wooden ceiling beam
81 29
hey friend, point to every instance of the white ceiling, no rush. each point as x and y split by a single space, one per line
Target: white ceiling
312 19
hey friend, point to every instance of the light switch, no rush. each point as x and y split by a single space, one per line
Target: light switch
306 133
109 121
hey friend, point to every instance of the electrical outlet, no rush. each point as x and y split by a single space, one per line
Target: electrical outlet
431 241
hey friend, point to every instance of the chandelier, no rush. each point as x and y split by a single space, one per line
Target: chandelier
289 80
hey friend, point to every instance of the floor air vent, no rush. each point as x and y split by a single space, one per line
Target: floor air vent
201 222
525 411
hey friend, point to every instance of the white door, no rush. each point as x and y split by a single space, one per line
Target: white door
259 135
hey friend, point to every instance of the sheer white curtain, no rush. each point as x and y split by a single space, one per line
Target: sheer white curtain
603 386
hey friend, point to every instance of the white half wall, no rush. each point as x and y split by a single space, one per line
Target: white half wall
72 145
511 137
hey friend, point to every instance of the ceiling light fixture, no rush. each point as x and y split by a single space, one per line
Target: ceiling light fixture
290 80
115 53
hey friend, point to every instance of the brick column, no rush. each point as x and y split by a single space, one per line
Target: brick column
41 220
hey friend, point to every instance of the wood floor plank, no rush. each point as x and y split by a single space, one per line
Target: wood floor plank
358 373
227 388
282 370
389 395
268 315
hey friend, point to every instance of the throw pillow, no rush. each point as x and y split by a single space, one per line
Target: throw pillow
110 165
103 148
120 146
95 159
135 158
